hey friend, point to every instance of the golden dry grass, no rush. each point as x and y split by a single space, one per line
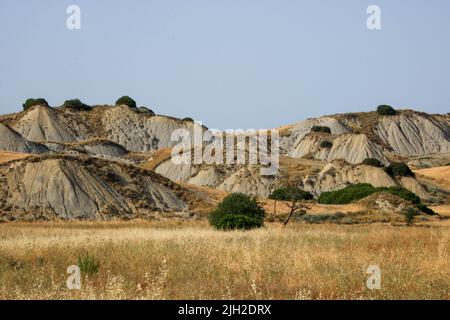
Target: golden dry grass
443 210
317 208
438 175
188 260
157 158
10 156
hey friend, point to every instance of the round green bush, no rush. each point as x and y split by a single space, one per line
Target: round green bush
238 222
126 100
373 162
237 211
385 110
76 104
31 102
146 110
321 129
326 145
399 169
187 119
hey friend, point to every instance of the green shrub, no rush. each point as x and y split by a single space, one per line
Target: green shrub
385 110
359 191
238 222
237 211
425 209
326 145
321 129
188 119
126 100
76 104
348 194
399 169
88 264
402 193
373 162
146 111
31 102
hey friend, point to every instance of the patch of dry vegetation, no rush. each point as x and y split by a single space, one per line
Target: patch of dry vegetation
438 175
188 260
157 158
11 156
294 169
317 208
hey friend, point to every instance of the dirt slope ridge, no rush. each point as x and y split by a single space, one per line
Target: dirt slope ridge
12 141
85 188
45 124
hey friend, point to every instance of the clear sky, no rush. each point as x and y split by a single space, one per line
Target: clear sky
229 63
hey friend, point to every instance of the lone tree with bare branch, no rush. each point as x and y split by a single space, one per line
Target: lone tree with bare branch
295 198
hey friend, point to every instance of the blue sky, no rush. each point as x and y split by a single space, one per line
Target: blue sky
229 63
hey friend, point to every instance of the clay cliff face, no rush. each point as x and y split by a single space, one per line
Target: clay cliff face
68 187
415 134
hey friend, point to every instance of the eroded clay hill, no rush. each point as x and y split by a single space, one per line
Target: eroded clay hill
134 131
313 176
114 161
339 174
44 124
359 135
66 187
354 148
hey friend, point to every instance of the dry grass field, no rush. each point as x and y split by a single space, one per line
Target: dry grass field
189 260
